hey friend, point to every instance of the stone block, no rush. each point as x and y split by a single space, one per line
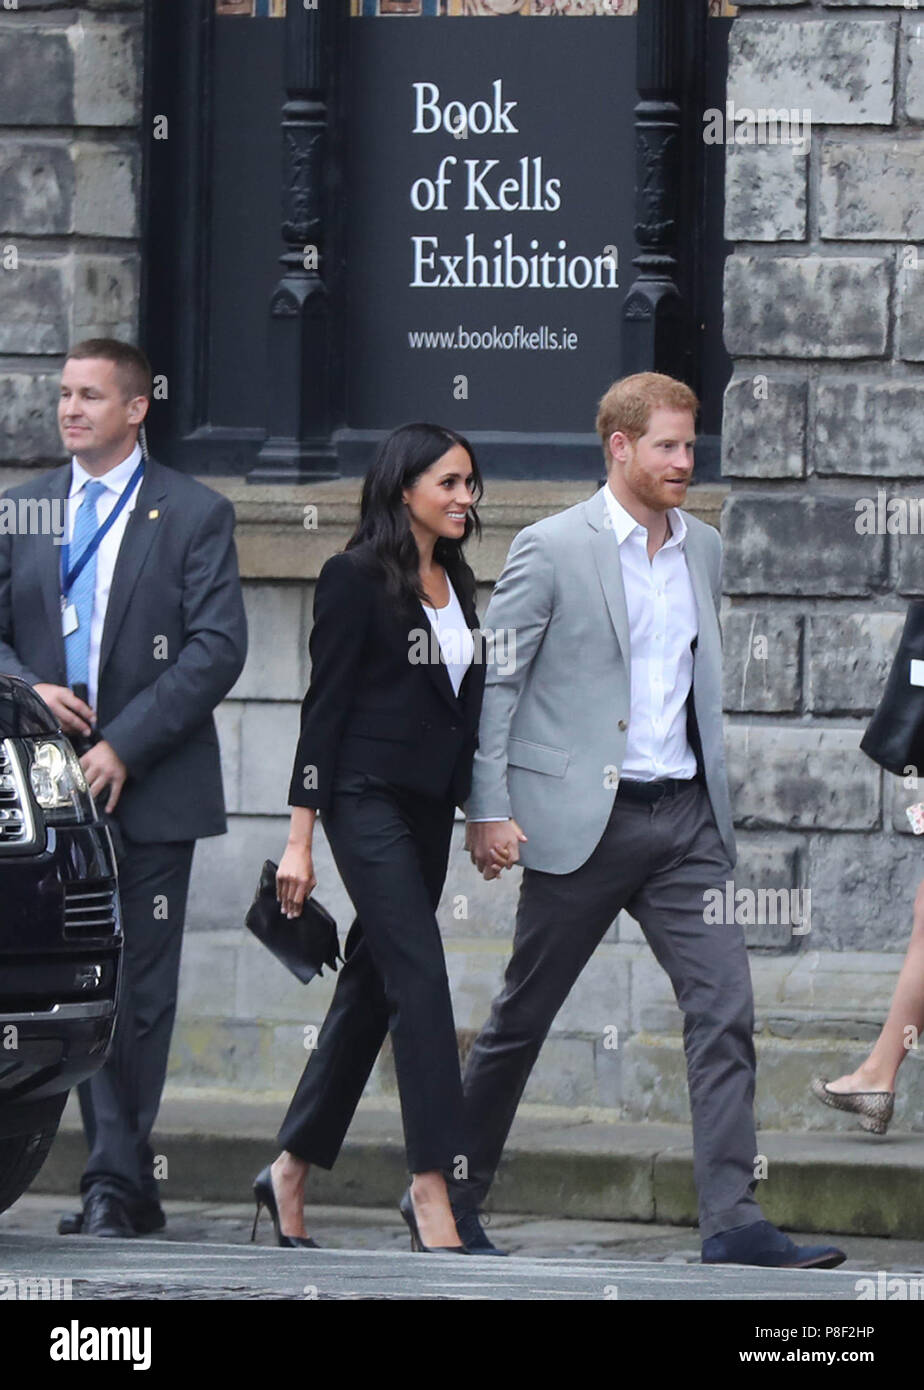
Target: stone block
914 72
28 417
784 777
863 889
108 190
772 547
763 427
911 311
840 70
105 296
226 869
108 66
476 973
765 193
269 736
208 973
654 1079
900 793
277 651
767 898
226 1052
33 307
565 1074
599 1000
762 660
36 187
806 306
909 554
36 76
849 658
868 427
470 906
870 189
228 723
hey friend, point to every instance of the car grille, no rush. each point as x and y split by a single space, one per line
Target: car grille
90 910
14 826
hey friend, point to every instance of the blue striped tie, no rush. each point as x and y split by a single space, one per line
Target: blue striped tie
77 644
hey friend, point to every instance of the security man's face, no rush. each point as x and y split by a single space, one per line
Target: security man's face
97 423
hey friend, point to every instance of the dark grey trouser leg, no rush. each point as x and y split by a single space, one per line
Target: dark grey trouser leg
708 967
119 1103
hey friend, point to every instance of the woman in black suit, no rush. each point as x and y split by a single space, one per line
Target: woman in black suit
388 734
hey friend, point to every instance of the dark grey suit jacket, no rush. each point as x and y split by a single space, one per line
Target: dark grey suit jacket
174 642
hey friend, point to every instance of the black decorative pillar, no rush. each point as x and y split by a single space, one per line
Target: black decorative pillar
302 357
656 321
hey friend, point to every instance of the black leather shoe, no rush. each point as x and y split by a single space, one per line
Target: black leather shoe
764 1244
105 1215
146 1218
473 1234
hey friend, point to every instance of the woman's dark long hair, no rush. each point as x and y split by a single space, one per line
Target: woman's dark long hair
383 517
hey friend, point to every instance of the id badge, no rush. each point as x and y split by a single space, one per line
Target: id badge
69 620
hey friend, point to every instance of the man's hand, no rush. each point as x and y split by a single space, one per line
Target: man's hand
494 845
103 768
73 715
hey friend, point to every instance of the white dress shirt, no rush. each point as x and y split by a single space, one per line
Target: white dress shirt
454 636
115 482
663 621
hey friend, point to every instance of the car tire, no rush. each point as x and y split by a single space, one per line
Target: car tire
23 1153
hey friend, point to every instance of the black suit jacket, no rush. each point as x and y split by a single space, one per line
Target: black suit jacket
369 707
174 642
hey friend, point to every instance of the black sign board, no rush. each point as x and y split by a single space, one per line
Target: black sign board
490 219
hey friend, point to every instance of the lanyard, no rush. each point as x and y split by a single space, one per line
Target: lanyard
69 576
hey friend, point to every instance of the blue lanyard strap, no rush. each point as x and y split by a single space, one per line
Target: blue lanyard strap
68 576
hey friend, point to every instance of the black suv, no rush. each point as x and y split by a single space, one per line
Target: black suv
60 933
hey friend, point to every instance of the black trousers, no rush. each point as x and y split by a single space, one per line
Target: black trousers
119 1103
391 848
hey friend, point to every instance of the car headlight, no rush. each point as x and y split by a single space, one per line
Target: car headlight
58 783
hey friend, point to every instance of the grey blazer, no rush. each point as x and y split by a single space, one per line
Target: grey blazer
552 736
174 642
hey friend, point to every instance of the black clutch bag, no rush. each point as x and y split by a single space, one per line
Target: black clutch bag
895 736
303 943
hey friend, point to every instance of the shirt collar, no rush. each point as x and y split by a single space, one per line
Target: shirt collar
623 523
116 479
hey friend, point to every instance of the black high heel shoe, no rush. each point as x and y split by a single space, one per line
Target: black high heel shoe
266 1197
406 1208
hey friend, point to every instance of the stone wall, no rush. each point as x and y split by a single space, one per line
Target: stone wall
70 197
823 318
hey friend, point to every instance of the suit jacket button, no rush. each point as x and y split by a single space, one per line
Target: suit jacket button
622 726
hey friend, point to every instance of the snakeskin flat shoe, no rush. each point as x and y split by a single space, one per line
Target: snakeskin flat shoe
872 1108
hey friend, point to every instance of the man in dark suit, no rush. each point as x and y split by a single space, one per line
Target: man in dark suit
132 632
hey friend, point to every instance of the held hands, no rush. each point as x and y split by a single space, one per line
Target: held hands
295 880
103 768
73 715
494 845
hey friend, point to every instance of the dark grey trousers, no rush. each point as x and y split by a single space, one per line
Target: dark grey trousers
119 1103
656 861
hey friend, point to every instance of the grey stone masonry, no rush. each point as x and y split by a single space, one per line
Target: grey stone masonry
840 70
911 308
763 429
869 427
807 306
823 530
70 171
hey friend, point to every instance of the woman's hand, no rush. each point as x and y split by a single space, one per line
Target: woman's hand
295 880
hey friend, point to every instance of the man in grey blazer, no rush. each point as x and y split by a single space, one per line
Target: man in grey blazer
601 769
132 654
